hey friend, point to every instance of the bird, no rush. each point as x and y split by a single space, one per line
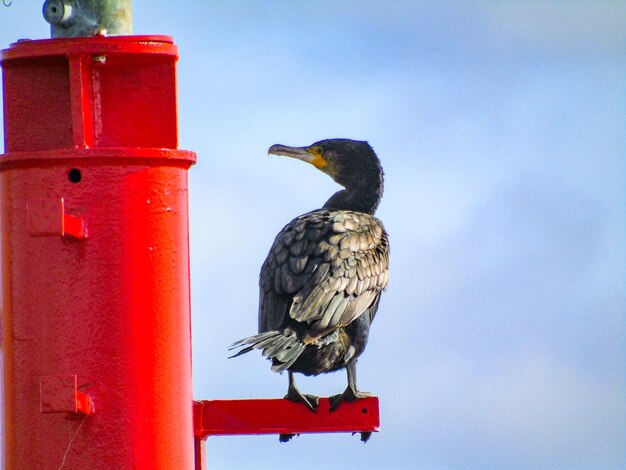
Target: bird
321 282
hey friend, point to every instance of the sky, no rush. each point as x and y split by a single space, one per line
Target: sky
500 343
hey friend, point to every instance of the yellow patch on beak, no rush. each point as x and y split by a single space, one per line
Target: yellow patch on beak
318 160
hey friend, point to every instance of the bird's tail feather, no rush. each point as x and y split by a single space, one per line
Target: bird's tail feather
283 347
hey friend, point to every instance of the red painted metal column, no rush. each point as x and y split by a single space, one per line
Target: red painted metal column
95 257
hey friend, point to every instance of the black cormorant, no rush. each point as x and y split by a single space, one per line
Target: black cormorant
322 280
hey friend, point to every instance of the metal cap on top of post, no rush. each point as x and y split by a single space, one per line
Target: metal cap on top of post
75 18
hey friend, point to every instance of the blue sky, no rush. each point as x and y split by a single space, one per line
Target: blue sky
500 125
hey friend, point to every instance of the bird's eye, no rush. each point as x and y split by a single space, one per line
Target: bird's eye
318 150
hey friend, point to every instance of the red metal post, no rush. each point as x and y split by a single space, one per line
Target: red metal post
95 260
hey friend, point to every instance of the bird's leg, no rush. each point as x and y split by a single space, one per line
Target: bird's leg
293 394
351 393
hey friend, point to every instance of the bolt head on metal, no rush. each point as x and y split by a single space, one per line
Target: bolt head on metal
58 12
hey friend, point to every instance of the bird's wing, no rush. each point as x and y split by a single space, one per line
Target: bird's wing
289 265
325 268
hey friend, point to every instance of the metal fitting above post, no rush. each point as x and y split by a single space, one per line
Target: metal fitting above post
75 18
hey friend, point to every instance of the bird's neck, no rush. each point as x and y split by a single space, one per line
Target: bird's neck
360 196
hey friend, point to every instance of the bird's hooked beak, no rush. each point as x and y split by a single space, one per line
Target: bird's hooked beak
312 155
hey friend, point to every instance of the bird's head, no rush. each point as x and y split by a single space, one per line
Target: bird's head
349 162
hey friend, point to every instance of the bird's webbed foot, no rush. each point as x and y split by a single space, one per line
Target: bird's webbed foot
294 395
350 395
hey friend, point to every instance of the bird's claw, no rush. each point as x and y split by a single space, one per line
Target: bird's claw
310 401
350 395
365 436
287 437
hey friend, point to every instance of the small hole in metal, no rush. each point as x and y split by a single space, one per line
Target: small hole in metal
74 175
364 411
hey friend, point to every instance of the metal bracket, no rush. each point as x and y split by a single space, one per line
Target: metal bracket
60 394
47 217
280 416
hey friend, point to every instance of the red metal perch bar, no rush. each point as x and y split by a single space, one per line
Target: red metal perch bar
279 416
